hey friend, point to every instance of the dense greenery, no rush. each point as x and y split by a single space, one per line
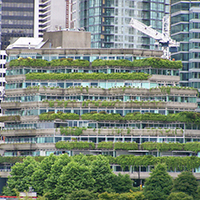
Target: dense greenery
187 116
153 62
75 145
59 115
158 186
43 63
179 196
180 163
80 177
60 176
161 147
187 183
91 76
71 131
9 118
171 146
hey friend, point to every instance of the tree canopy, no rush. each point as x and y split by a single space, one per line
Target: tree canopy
187 183
58 177
158 186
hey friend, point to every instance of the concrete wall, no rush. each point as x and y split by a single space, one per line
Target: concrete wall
67 39
58 14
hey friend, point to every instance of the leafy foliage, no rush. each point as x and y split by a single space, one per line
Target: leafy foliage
187 183
74 177
61 177
82 195
83 76
9 118
74 145
187 116
71 131
153 62
179 196
158 186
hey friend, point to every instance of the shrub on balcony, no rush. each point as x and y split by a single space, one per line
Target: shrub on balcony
153 62
75 145
83 76
125 146
71 131
189 117
105 145
62 116
9 118
28 62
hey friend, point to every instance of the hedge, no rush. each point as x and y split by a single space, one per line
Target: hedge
187 116
153 62
9 118
75 145
84 76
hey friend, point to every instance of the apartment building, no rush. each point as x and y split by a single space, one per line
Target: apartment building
185 28
41 108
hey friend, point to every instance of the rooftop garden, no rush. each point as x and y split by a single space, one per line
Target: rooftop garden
91 76
153 62
188 117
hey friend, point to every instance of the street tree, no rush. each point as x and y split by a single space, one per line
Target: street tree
73 177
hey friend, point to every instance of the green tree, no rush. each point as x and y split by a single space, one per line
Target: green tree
122 183
20 179
123 196
82 195
187 183
41 173
179 196
108 196
73 177
102 174
158 186
52 177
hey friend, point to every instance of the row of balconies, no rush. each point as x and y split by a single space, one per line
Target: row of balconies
162 78
136 104
99 91
105 132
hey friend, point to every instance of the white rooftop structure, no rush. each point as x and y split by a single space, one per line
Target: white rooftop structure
27 43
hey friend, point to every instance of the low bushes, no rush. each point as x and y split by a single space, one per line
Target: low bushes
71 131
189 117
9 118
75 145
153 62
84 76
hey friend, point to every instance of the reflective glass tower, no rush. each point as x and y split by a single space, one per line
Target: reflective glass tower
185 28
17 20
108 21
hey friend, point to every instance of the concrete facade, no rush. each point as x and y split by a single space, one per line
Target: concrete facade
67 39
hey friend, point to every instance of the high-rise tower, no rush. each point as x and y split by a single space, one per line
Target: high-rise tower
108 21
30 18
185 28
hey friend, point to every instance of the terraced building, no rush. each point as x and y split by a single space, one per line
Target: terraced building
76 106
